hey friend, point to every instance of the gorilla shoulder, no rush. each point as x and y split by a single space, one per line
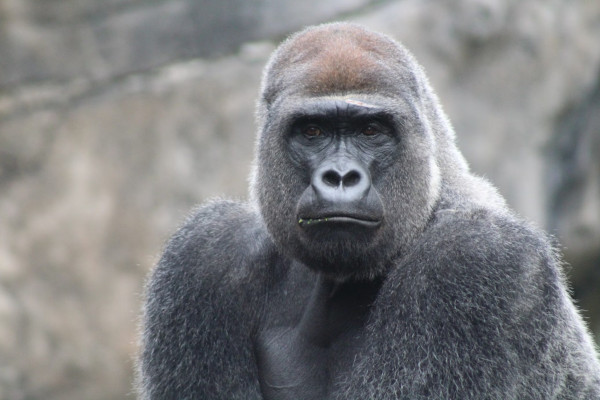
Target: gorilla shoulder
222 249
212 269
221 239
488 239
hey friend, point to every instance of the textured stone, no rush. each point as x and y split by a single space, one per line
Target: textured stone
60 40
89 194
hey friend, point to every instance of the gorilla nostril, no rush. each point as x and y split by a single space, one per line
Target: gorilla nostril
332 178
351 178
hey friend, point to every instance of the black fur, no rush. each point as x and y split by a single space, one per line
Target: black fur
416 282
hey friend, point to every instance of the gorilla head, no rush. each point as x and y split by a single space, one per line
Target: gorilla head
350 142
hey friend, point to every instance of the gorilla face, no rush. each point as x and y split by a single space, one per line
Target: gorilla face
345 174
336 145
343 185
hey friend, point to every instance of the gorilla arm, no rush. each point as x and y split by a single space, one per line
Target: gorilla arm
478 310
202 308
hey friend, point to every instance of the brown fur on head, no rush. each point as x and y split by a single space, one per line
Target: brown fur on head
334 59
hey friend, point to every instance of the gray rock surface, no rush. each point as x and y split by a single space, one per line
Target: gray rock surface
66 39
116 117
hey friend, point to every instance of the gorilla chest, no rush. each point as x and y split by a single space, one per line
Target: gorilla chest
304 360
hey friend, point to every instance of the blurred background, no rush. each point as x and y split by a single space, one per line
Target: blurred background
117 116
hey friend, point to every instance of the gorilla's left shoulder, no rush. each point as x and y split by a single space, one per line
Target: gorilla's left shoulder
495 235
481 266
488 247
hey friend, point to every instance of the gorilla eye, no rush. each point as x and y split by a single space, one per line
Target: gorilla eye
370 130
312 131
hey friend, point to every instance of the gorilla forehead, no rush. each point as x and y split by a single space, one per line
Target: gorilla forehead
338 59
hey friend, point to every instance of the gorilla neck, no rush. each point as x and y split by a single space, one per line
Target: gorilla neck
335 309
300 362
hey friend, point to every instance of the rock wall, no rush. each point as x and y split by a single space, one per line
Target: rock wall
116 117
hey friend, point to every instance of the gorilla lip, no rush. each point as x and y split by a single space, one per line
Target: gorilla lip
339 219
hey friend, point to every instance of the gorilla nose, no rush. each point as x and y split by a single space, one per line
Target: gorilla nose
335 179
346 183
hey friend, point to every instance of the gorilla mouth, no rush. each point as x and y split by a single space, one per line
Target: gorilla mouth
339 220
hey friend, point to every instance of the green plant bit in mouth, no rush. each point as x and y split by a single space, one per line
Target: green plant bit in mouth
304 222
308 221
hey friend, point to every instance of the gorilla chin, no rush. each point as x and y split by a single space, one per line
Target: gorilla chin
344 215
339 246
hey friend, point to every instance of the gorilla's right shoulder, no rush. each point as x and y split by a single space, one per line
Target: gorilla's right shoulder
203 303
223 241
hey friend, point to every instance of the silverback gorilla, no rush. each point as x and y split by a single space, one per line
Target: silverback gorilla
369 264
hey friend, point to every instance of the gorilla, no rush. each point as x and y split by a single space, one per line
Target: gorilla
369 262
